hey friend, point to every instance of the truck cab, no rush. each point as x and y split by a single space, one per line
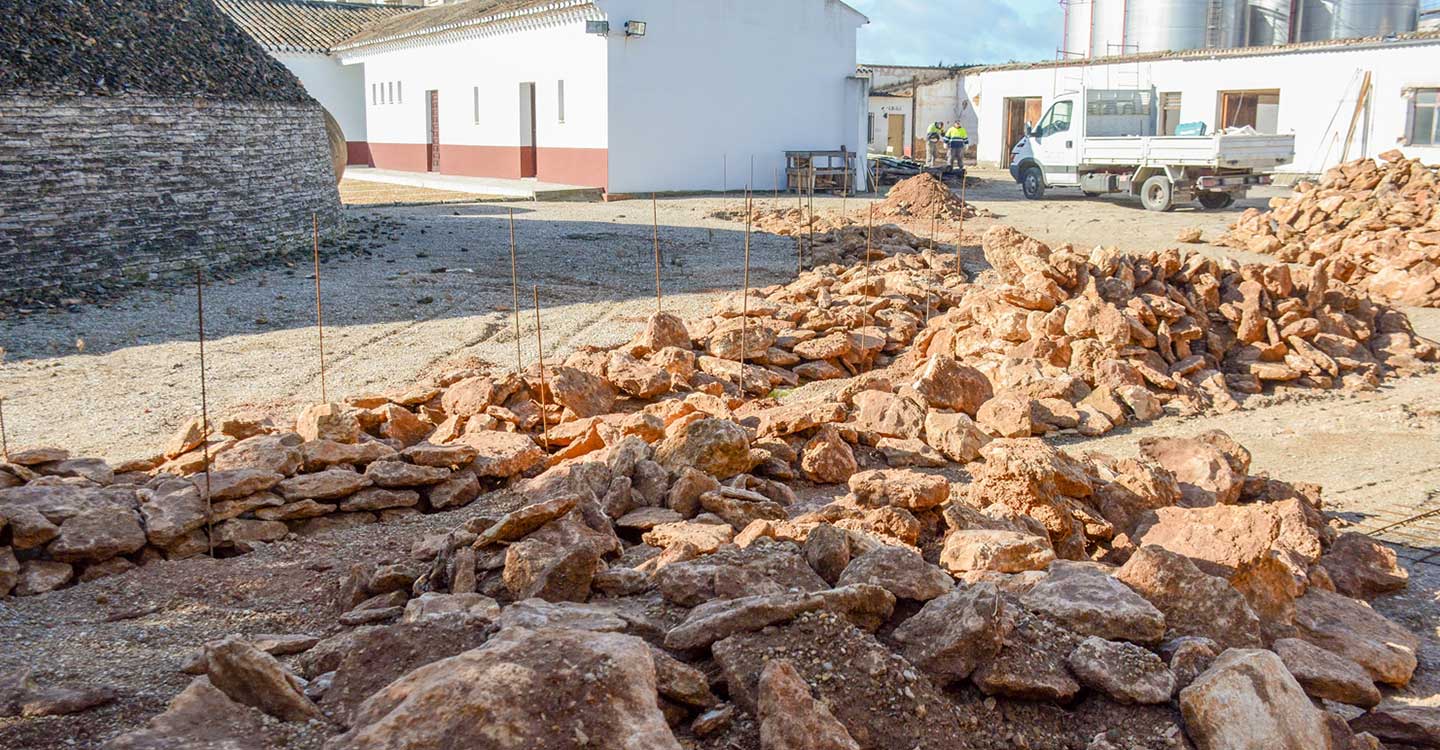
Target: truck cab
1104 141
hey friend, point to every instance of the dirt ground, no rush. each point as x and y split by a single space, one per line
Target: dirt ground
366 193
439 292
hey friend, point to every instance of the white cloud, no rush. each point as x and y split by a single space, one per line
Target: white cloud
917 32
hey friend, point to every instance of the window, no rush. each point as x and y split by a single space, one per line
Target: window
560 100
1257 109
1169 113
390 97
1057 120
477 105
1425 118
374 93
870 128
399 96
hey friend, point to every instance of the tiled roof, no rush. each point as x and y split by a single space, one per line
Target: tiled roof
306 25
441 19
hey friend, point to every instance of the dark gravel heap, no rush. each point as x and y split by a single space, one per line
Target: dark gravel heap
158 47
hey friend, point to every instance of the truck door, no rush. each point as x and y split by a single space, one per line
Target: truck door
1053 141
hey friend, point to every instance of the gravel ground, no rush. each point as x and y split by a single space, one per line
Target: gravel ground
367 193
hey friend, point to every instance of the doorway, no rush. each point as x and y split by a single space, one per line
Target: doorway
1018 111
895 138
432 131
528 160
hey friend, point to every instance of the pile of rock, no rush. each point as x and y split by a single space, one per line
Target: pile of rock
1168 601
1374 225
925 198
1089 341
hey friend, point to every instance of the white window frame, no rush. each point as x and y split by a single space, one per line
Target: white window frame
1412 94
374 93
477 105
390 92
399 93
560 100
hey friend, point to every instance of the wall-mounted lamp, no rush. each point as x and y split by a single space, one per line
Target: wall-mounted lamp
634 28
599 28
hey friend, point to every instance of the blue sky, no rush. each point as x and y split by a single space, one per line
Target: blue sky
925 32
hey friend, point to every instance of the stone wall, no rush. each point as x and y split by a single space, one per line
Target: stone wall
107 191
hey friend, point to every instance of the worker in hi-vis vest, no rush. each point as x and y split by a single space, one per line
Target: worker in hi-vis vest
956 139
932 142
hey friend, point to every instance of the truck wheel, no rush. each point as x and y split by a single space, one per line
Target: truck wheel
1032 181
1213 201
1158 194
1091 194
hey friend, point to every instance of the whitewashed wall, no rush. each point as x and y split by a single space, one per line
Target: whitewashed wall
497 63
1318 88
881 108
338 87
714 83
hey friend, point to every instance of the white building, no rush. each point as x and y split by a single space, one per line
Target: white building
892 115
1309 89
675 95
300 34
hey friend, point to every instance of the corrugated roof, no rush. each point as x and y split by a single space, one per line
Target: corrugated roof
306 25
441 19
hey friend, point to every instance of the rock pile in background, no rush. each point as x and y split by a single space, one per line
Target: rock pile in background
1372 224
1093 340
923 198
1169 601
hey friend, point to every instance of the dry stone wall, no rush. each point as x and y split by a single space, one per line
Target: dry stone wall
105 191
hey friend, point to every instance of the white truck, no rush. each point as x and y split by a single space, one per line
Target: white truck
1103 141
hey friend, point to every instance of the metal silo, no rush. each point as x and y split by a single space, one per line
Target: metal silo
1107 30
1077 27
1269 22
1163 25
1348 19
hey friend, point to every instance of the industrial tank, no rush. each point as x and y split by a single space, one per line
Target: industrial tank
1347 19
1269 22
1164 25
1107 31
1077 28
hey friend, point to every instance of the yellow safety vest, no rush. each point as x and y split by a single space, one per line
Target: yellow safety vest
956 133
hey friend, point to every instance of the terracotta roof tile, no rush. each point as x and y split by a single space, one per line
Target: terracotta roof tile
306 25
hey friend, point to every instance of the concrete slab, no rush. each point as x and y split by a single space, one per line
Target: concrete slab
523 188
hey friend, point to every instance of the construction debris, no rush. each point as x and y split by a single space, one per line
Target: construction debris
1371 224
923 198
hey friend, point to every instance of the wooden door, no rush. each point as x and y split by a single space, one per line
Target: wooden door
529 161
896 137
1019 111
432 146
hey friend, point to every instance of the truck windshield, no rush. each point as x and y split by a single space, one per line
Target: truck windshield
1057 119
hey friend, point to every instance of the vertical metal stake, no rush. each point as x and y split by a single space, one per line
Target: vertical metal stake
745 299
319 311
204 409
4 441
515 295
869 230
655 226
960 236
540 349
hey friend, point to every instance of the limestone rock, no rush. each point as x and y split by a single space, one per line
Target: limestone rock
1326 675
828 459
1407 725
902 488
517 675
1207 475
328 422
716 447
900 571
1123 671
201 716
968 550
275 453
97 534
502 454
330 484
174 509
1247 699
1363 568
955 633
1091 602
1349 628
537 569
954 435
791 718
254 678
41 576
1193 603
947 384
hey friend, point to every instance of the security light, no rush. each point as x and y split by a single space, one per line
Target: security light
601 28
634 28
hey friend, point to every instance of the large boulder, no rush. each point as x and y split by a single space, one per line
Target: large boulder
1326 675
717 447
580 392
1403 725
98 534
493 696
1363 568
1223 538
254 678
1089 601
791 718
1247 700
201 716
1207 474
1193 602
955 633
947 384
1125 672
900 571
1351 629
995 550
